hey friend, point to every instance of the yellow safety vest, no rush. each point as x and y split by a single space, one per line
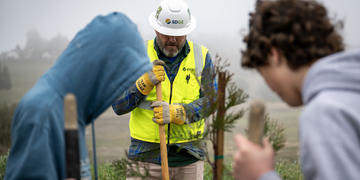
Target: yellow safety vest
184 89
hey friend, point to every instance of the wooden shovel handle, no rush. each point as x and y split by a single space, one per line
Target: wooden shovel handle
163 150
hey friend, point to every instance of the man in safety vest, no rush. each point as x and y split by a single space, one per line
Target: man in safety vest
188 70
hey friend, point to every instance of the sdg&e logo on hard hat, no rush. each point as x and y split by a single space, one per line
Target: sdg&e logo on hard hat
169 21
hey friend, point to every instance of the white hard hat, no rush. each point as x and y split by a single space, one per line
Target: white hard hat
172 18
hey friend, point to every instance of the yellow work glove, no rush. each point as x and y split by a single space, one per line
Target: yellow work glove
147 81
165 113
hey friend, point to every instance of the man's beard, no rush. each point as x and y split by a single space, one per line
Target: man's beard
171 53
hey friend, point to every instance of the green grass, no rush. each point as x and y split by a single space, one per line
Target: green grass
287 170
3 160
111 171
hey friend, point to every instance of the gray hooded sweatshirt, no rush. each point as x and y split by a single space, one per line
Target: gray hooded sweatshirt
330 121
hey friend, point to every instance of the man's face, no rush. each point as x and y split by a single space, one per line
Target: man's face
282 80
170 45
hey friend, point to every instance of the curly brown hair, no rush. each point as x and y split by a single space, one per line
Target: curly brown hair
300 29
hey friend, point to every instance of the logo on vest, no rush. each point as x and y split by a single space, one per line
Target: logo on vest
192 70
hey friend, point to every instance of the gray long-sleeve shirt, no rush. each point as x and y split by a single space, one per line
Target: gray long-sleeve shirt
330 122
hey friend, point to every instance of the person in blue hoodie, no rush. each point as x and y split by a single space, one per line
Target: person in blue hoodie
299 53
102 61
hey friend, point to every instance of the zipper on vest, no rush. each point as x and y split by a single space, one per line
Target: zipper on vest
171 86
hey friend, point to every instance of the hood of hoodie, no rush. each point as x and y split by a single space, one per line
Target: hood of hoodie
340 71
102 60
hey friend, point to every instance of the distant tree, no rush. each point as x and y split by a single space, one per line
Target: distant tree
19 51
57 44
5 82
1 77
34 45
38 48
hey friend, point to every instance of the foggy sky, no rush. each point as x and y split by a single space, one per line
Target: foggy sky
222 18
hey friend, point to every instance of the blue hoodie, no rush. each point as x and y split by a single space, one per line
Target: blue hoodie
102 61
330 121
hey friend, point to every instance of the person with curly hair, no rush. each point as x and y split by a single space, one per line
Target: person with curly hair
297 49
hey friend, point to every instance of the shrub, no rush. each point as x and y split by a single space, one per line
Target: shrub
3 160
119 169
6 114
109 171
289 170
276 133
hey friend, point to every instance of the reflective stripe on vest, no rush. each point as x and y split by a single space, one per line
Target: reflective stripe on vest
185 89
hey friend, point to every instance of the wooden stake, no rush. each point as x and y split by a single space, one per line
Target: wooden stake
163 150
256 122
71 138
219 151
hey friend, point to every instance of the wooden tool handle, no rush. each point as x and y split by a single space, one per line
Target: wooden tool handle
163 150
71 138
256 122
